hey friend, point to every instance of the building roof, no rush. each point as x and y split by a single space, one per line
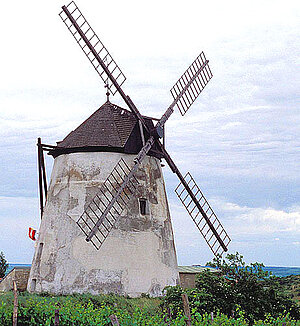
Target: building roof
110 128
194 269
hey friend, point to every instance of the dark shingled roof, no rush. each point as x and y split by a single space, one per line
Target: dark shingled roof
109 129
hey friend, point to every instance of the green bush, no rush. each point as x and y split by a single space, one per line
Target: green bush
256 291
236 286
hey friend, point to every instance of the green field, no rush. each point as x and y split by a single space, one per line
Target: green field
291 285
239 295
96 310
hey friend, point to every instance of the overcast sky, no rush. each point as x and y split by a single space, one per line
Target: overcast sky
240 140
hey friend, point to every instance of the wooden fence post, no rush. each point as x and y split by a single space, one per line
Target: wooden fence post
186 308
114 320
56 317
15 312
167 317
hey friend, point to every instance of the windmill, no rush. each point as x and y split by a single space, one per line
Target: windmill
101 219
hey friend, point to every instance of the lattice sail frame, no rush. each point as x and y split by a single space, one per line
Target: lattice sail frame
191 83
106 207
106 193
198 217
96 44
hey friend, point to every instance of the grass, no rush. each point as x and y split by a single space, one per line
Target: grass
87 309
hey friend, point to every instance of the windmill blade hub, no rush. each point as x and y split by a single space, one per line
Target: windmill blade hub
159 131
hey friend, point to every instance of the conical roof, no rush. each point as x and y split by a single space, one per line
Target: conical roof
110 128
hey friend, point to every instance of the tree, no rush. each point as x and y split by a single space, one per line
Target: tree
217 290
256 291
235 287
3 265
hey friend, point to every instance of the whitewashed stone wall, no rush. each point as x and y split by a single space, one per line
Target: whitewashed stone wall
137 257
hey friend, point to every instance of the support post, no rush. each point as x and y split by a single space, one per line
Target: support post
44 172
167 317
186 308
15 312
40 175
56 317
114 320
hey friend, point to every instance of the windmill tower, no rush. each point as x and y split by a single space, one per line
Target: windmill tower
106 223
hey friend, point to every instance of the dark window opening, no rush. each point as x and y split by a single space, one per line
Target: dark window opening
33 284
39 253
144 210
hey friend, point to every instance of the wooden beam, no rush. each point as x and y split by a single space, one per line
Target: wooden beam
44 172
40 176
15 312
114 320
186 308
56 317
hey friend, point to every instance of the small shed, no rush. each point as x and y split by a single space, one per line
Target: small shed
19 274
187 274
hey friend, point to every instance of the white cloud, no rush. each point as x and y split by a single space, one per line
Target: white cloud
241 132
250 228
257 220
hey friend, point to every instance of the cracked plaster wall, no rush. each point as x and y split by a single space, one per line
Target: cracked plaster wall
137 257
